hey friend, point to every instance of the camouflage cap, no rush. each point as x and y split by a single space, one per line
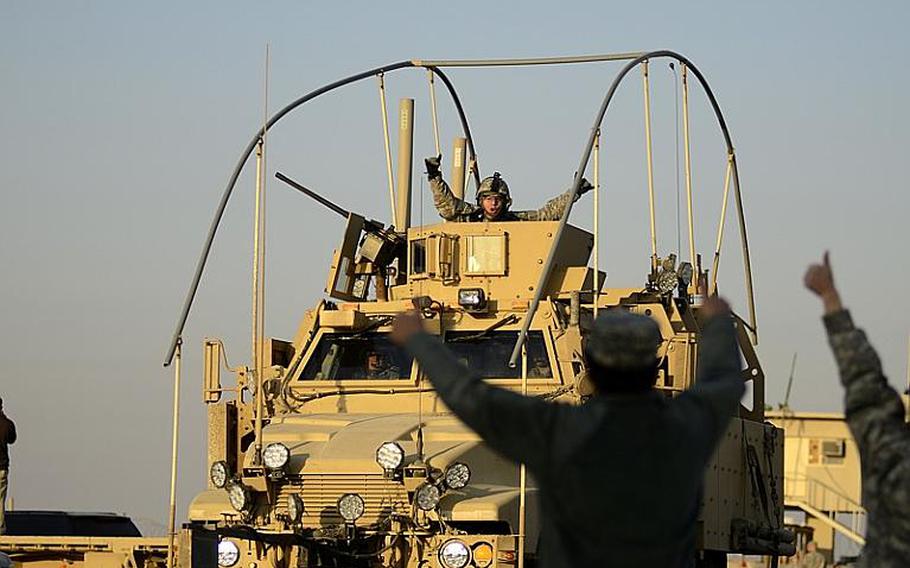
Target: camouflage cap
622 340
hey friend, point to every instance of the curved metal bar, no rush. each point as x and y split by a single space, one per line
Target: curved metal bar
530 61
579 173
464 121
244 156
219 212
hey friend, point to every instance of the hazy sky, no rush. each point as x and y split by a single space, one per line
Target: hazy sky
121 122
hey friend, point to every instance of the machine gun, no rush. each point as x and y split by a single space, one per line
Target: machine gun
379 247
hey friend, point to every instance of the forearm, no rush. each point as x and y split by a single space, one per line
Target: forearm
831 302
454 382
554 208
873 409
718 352
719 385
448 206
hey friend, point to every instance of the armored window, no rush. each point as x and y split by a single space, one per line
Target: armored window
340 356
418 257
485 255
488 354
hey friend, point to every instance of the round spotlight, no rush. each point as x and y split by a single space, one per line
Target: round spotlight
276 455
228 553
239 496
295 508
218 474
483 554
350 507
454 554
390 455
457 475
427 496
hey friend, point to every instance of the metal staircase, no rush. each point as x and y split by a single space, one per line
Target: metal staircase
826 503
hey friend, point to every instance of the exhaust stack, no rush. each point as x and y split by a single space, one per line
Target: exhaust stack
459 149
405 163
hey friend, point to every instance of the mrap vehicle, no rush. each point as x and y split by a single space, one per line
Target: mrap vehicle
333 449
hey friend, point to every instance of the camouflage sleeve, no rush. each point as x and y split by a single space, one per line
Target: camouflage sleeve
449 207
874 410
551 210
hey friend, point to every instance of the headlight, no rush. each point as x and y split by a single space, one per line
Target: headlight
472 299
239 496
228 554
390 456
457 475
276 455
427 497
454 554
295 508
350 507
483 554
218 474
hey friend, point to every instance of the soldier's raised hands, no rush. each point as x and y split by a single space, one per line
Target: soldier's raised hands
820 280
432 163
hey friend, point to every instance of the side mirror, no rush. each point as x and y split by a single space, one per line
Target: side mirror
211 387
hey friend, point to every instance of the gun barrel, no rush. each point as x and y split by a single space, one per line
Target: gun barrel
310 193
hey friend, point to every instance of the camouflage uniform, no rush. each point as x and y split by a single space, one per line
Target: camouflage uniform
452 208
875 415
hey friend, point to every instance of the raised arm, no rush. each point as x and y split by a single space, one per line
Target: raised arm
447 205
719 386
873 409
552 209
516 426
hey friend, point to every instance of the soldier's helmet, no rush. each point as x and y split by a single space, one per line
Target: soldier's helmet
622 340
494 185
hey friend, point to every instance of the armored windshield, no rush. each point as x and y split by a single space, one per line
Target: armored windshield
488 354
342 356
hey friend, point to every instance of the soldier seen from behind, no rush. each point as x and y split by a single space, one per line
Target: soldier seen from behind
876 417
7 437
493 200
619 478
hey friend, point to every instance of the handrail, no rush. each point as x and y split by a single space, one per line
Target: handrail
817 500
528 61
825 488
579 173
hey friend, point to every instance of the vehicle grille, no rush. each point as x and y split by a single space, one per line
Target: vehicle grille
320 494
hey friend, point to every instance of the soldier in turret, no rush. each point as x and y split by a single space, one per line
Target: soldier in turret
492 200
876 417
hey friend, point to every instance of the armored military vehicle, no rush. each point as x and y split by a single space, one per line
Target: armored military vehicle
334 450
